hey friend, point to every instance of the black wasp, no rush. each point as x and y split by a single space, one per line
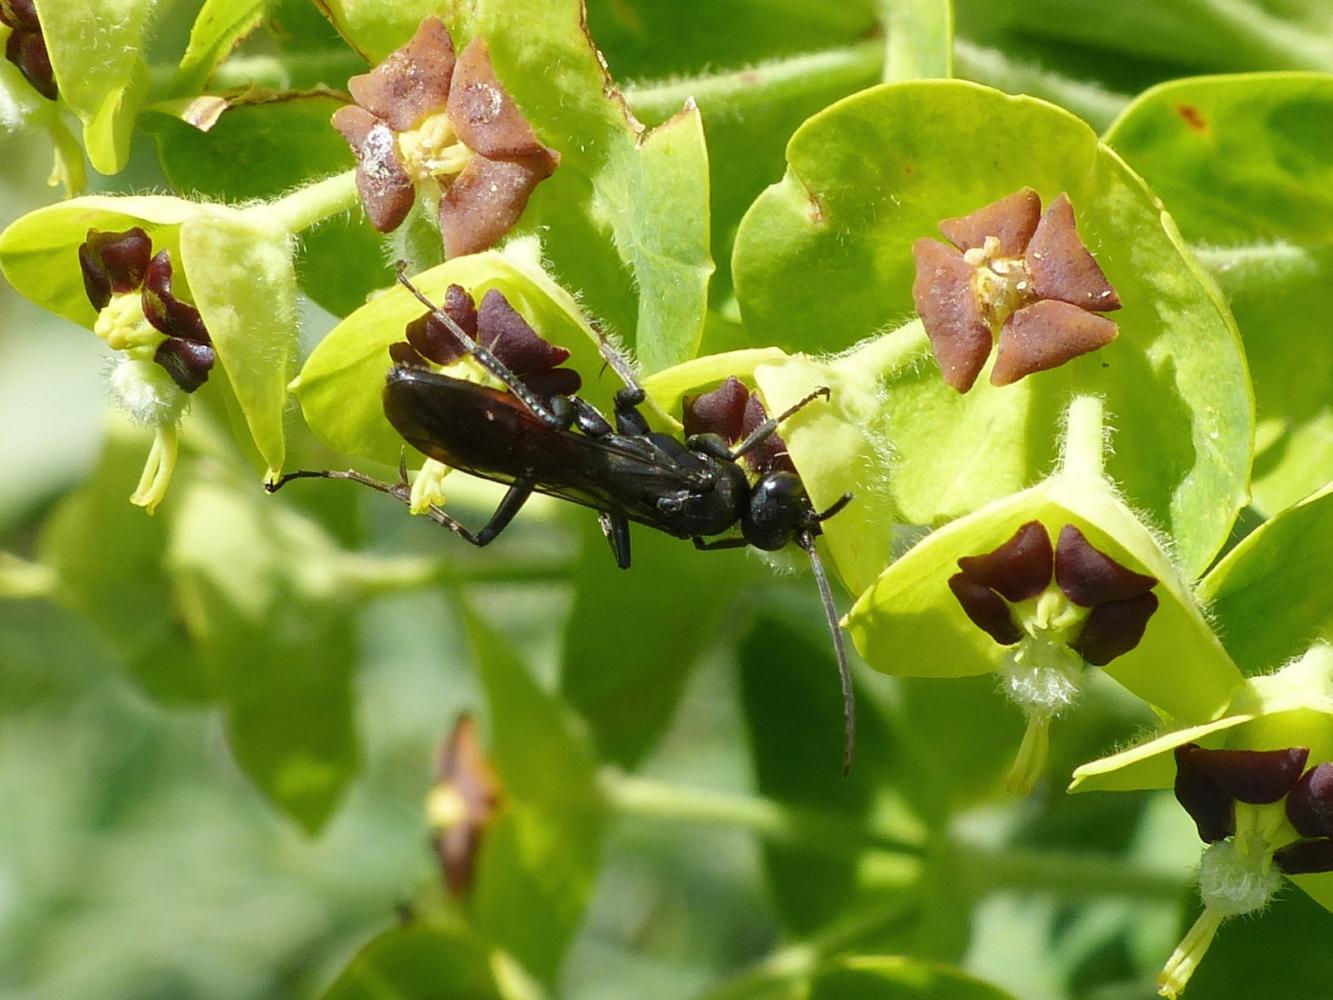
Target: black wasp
562 446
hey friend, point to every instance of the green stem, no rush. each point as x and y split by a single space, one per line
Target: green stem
1066 874
22 579
1094 104
310 205
645 798
919 43
1085 438
800 960
855 66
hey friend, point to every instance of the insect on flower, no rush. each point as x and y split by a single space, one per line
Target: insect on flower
538 437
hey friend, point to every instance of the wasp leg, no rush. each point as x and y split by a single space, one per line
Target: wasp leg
588 418
718 543
616 529
764 430
510 504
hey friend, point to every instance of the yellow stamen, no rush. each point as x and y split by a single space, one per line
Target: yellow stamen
428 487
445 807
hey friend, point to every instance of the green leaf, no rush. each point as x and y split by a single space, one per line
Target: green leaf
881 977
624 219
1240 162
418 962
244 284
1137 34
110 560
910 623
656 39
218 28
269 614
920 42
823 259
632 639
341 383
264 142
541 856
1271 596
96 49
793 707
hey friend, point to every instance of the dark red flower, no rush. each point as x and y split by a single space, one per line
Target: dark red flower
1120 601
26 46
424 113
463 804
732 412
121 263
499 328
1012 268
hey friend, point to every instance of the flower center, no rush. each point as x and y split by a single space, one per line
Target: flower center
1003 284
432 149
124 327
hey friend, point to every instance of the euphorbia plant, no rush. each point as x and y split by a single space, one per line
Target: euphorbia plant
1035 348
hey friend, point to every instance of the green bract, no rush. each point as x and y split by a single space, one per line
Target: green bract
340 385
622 197
823 259
96 53
1271 595
218 27
1290 708
1239 162
239 272
910 623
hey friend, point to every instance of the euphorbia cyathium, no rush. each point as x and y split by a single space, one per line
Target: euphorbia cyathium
1012 268
423 115
167 350
1056 609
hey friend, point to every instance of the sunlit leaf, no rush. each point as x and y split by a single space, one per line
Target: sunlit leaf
1270 596
823 260
418 962
1239 162
265 608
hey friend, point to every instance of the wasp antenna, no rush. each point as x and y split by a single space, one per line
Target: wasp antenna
806 541
833 508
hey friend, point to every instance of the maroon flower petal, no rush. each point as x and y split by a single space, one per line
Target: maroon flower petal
1061 266
464 767
1310 804
1305 857
485 117
1045 335
20 14
412 81
1114 628
484 202
553 382
166 312
720 411
1209 805
960 338
770 454
26 49
1258 777
113 262
433 340
1011 220
986 609
385 188
1018 569
509 337
1089 577
405 355
188 362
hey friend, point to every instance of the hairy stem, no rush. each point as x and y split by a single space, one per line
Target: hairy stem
310 205
1085 438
